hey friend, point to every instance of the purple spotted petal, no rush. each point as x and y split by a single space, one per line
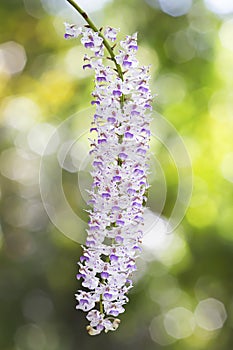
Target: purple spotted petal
128 135
116 178
104 274
89 45
106 195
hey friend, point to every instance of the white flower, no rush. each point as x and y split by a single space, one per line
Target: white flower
120 144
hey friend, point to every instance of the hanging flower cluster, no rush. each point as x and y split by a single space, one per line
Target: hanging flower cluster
120 167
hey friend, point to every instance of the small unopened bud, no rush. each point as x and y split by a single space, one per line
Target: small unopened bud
91 331
116 323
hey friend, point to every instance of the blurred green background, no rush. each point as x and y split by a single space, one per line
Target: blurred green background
183 294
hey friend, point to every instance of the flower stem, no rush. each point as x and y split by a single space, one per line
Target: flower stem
105 42
101 305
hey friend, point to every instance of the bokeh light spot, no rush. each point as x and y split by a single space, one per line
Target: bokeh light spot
158 244
57 6
33 8
12 58
227 167
155 238
20 112
179 322
39 136
210 314
226 34
221 105
172 89
17 165
93 5
158 332
221 7
30 337
175 8
180 47
37 306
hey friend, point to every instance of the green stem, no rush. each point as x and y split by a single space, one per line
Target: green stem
105 42
101 304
